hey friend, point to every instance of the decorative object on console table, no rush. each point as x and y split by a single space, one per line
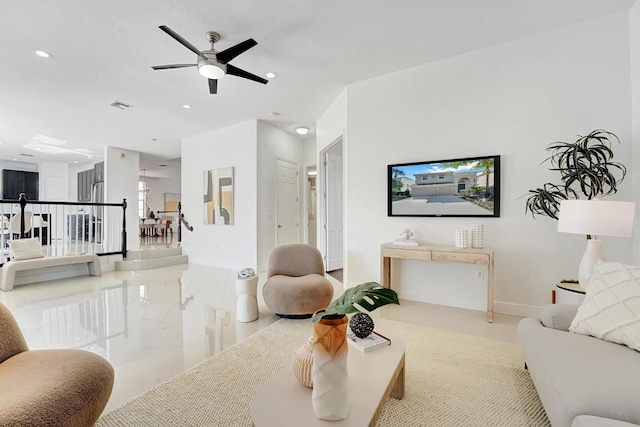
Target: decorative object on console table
406 234
410 242
593 218
477 235
462 238
369 343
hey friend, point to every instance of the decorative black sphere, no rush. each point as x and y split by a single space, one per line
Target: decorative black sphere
361 324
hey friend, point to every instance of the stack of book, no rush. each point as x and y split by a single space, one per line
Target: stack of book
406 242
369 343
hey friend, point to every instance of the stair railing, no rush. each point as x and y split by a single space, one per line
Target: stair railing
181 221
65 227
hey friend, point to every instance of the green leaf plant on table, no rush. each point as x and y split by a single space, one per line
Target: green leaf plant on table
368 296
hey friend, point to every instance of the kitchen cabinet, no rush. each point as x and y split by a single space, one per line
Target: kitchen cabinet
85 185
99 172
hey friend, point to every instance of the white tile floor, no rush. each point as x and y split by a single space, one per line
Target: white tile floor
154 324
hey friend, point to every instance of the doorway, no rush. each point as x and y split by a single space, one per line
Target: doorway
333 205
312 206
287 200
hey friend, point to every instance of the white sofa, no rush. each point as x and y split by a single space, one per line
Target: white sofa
582 381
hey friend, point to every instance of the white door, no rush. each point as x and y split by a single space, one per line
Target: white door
287 199
333 174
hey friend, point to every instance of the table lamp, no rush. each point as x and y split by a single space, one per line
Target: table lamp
595 218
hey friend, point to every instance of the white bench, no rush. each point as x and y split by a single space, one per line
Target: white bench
9 269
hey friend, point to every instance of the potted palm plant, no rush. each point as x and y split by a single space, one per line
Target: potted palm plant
586 168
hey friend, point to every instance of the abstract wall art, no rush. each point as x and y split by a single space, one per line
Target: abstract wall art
218 196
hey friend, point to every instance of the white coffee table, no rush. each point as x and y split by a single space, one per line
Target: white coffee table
373 377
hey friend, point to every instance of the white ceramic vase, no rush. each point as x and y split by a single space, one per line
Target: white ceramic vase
329 372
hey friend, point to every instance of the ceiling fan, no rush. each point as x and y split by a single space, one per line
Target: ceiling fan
212 64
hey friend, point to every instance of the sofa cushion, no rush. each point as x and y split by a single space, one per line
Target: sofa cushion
611 307
25 249
558 316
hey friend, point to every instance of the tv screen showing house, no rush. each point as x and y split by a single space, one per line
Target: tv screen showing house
451 188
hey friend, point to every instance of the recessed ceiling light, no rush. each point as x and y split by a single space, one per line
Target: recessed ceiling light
273 113
89 157
187 106
43 54
271 75
15 160
75 161
302 130
163 165
154 139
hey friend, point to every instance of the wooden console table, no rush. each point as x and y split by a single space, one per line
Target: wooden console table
425 252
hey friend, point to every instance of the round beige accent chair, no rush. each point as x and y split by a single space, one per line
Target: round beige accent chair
49 387
296 285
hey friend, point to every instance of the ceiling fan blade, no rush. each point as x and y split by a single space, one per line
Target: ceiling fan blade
179 38
235 71
228 54
213 86
168 67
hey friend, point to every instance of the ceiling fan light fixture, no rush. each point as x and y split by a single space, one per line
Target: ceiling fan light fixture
302 130
212 70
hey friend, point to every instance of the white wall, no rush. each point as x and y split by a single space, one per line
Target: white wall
275 144
512 99
635 120
329 128
54 181
229 246
310 153
121 182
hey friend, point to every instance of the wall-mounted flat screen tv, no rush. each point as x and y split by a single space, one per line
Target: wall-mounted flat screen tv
451 188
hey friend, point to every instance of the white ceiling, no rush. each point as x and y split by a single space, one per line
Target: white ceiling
103 51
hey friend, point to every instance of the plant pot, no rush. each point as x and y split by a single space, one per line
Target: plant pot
329 372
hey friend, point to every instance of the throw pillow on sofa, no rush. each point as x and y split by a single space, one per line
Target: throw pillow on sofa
611 307
25 249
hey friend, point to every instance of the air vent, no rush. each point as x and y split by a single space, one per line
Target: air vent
120 105
26 155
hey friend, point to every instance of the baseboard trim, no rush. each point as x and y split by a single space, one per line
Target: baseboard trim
520 310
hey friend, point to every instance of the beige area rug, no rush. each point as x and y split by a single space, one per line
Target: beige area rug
451 380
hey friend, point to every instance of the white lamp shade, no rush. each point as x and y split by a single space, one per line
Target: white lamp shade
596 217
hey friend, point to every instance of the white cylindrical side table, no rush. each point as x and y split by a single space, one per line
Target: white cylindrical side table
247 303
